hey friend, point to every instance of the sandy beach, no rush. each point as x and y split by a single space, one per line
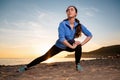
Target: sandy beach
99 69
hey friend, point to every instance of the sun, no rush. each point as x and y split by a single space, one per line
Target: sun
41 50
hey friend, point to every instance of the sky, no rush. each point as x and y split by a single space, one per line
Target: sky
29 28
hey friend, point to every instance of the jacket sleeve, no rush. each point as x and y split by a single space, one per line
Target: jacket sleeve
61 32
85 31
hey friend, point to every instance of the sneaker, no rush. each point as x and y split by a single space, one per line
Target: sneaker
22 69
79 67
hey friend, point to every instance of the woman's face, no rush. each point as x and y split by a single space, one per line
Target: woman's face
71 13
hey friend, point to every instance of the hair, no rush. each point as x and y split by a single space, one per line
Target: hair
78 27
73 7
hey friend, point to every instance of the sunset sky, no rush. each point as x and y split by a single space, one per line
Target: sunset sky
28 28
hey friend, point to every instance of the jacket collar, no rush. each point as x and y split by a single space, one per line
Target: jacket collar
68 23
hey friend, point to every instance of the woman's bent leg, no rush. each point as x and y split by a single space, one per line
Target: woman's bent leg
53 51
78 53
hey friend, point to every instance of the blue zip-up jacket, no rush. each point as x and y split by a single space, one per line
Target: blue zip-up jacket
66 33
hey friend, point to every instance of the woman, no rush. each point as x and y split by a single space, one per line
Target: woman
68 30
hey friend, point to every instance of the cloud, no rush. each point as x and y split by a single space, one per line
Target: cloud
94 9
38 28
48 18
24 33
28 30
89 12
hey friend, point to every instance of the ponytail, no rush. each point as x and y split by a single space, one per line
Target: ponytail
78 29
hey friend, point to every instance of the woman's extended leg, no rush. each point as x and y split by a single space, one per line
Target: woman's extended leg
53 51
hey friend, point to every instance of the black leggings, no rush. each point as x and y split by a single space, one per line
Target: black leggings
55 50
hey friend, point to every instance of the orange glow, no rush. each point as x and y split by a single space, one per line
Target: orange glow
17 53
27 52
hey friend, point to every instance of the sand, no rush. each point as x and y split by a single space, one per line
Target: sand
99 69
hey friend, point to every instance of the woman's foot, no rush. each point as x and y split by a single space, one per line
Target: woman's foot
79 67
22 69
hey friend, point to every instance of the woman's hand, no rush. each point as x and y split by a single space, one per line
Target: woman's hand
74 46
77 42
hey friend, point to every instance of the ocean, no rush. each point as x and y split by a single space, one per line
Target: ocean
21 61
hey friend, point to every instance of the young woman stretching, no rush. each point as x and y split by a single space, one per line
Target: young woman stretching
68 30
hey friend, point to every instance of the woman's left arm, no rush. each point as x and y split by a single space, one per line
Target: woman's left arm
85 40
87 33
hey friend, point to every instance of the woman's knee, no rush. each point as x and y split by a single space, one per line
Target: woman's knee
79 46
